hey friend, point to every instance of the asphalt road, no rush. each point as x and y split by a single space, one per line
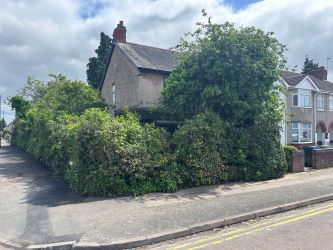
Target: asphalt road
306 228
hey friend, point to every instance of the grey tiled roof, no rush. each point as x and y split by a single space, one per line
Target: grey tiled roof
151 58
323 85
293 78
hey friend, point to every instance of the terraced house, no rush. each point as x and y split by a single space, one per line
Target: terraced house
309 108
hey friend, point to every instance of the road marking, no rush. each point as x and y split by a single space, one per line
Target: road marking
245 229
263 228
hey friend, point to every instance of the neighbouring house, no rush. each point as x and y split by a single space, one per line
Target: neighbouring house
135 74
309 108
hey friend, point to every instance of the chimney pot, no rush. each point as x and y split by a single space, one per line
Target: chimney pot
119 33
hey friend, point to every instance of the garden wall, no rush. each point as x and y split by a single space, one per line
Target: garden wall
322 158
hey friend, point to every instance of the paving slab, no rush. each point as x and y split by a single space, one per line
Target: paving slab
38 208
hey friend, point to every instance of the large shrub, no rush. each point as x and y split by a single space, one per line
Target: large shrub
288 151
200 151
117 156
234 73
260 153
65 125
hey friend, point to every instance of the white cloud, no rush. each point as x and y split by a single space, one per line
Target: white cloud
39 37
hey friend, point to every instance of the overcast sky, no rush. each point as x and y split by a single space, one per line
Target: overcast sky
38 37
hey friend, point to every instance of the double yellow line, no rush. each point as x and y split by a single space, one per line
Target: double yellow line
217 239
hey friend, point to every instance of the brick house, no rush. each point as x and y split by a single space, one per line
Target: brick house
309 108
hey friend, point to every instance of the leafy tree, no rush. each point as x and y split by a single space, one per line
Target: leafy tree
223 69
20 105
34 89
69 96
3 124
233 72
97 65
309 65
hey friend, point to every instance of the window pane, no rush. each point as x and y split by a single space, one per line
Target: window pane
305 101
295 136
306 125
331 102
305 132
295 100
305 98
320 101
294 132
304 92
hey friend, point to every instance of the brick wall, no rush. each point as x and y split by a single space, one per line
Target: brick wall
302 145
322 158
297 162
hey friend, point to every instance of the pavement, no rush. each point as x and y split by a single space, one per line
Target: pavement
37 208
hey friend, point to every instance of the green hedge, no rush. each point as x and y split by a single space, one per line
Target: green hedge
288 150
199 151
117 156
68 128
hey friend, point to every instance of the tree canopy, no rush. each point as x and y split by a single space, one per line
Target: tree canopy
233 72
58 95
309 65
97 64
223 69
3 124
20 105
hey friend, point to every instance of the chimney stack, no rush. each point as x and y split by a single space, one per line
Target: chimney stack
320 73
119 33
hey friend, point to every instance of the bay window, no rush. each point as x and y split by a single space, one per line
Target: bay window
301 132
302 98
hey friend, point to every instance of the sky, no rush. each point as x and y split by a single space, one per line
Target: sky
38 37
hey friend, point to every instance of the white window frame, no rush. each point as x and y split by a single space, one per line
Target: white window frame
114 94
330 102
321 98
300 93
299 127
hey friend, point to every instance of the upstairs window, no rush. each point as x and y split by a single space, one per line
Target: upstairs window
331 102
320 101
113 94
302 98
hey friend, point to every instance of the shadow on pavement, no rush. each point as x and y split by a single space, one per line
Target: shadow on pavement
43 188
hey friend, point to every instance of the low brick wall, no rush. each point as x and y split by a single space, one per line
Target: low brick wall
322 158
297 162
302 145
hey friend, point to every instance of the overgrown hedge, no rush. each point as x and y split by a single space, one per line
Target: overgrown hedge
200 151
288 150
99 154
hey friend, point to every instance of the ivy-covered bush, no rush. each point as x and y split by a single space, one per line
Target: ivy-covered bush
200 151
117 156
288 150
